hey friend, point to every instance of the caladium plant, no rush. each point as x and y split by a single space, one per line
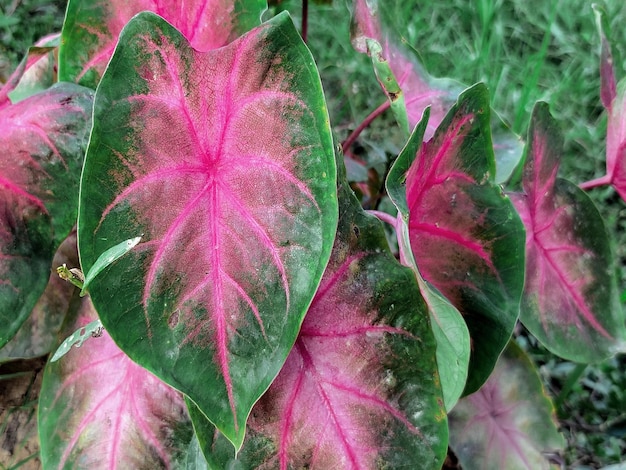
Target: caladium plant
253 315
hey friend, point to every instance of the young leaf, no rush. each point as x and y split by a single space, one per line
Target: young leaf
570 300
389 84
607 73
43 139
360 388
92 27
509 423
107 258
417 88
92 329
464 234
224 162
98 409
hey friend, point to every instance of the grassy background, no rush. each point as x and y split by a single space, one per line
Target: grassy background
524 50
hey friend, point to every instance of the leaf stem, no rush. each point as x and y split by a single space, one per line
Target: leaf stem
345 145
602 181
73 276
390 219
305 19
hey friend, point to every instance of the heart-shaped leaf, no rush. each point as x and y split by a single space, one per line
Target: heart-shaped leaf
92 27
223 162
510 422
570 300
98 409
464 234
360 388
43 139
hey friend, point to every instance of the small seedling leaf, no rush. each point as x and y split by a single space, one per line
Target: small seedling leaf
93 329
106 259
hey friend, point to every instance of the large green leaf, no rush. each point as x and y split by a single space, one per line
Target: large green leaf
223 163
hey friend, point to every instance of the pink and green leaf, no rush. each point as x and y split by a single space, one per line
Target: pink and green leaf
607 72
570 300
448 325
510 422
464 233
43 140
92 28
223 162
98 409
614 100
360 389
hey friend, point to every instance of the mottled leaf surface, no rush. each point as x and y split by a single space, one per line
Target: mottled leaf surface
92 27
360 388
43 140
509 423
464 233
37 335
223 162
570 300
100 410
